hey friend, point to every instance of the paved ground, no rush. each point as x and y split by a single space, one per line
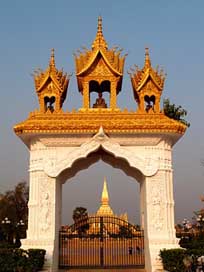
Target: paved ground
104 270
100 270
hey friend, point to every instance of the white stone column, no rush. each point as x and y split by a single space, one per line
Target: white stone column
158 217
142 206
44 218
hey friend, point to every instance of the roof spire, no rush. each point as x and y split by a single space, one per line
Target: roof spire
99 40
52 58
147 58
100 24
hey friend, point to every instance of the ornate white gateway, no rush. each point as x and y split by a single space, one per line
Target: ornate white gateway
63 143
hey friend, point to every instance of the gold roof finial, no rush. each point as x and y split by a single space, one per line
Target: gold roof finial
52 58
147 58
100 24
99 40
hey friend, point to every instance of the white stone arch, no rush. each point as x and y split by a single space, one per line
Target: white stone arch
108 158
149 155
148 166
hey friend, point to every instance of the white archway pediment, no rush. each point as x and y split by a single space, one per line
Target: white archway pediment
147 166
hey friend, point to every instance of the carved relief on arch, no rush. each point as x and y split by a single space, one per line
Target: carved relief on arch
147 166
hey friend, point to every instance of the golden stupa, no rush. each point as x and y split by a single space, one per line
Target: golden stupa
106 212
105 208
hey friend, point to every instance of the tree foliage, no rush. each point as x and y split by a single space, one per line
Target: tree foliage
78 213
175 112
81 214
172 259
19 260
14 207
181 260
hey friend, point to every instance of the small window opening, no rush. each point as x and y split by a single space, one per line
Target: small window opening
49 103
149 102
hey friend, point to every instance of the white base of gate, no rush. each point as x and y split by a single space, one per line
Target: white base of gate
152 260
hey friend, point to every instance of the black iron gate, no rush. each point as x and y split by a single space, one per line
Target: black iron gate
101 242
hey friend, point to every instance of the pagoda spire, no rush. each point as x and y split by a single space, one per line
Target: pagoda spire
105 196
105 209
99 40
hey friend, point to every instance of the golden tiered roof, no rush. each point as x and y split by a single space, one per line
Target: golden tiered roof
99 70
121 122
51 82
99 46
58 76
147 82
140 76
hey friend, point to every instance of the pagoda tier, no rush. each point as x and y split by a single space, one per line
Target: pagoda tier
99 70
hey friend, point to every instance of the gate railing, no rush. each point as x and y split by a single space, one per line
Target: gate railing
101 242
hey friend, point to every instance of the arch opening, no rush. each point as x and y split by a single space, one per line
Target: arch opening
87 185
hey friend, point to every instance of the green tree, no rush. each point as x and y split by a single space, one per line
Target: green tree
80 217
79 213
195 238
14 212
175 112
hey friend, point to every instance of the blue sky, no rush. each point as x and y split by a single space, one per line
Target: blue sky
173 30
